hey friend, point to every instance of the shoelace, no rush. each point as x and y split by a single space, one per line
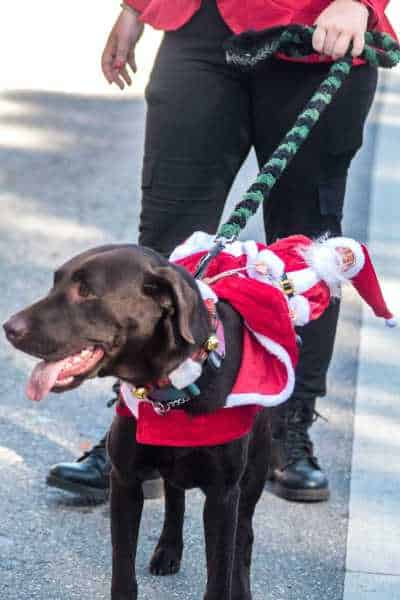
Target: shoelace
298 442
98 450
298 445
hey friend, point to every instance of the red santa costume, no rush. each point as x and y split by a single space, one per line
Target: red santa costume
274 289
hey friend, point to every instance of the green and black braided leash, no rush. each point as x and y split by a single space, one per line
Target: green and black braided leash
247 51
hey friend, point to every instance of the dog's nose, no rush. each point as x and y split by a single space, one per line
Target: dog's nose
16 328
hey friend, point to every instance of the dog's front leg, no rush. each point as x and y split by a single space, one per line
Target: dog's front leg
126 511
166 559
220 522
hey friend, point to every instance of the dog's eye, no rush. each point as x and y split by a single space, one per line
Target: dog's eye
84 291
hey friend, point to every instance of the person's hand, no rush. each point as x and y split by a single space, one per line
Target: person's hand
343 22
119 52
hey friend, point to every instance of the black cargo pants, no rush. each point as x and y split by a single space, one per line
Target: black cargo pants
204 116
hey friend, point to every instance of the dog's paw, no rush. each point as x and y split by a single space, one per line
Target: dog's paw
166 560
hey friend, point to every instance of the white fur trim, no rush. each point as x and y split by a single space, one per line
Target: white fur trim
237 248
301 309
206 292
130 399
272 399
274 265
391 322
326 262
199 241
303 279
357 250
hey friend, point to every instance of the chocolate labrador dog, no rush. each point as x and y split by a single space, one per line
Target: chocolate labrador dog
126 312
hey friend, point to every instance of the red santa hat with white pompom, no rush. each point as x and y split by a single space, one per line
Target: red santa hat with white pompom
340 259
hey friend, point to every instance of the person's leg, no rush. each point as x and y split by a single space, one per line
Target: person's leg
197 133
309 200
197 136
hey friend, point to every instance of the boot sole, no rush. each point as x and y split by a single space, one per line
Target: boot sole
89 493
152 488
303 495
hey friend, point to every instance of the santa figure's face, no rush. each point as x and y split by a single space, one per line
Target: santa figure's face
347 257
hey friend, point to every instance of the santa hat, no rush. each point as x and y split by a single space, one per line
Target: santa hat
337 259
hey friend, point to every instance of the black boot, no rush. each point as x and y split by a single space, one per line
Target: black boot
296 474
89 476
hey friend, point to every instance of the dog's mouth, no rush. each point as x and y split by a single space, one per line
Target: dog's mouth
64 374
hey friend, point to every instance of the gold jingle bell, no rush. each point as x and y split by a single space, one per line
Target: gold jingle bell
140 393
212 343
287 287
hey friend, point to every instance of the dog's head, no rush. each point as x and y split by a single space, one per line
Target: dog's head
119 310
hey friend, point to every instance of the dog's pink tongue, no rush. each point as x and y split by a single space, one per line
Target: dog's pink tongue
42 379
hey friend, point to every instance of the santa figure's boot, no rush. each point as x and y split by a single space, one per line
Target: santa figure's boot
296 474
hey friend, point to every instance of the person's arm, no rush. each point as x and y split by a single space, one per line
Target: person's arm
119 51
343 22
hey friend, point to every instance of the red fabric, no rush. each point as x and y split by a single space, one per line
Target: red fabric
319 298
260 372
288 251
263 307
179 429
378 20
368 286
253 14
122 410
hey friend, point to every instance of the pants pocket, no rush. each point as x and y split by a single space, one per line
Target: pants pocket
176 178
331 194
345 118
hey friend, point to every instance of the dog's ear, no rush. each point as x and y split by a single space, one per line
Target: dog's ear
176 297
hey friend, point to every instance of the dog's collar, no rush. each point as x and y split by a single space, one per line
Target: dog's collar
180 387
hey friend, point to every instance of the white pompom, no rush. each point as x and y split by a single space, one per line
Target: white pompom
265 266
300 307
323 259
391 322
